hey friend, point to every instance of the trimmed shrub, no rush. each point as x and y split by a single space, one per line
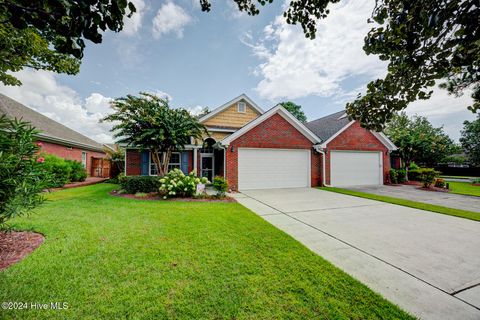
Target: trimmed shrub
58 169
393 176
220 185
140 184
78 172
177 184
401 175
413 166
427 176
440 183
414 175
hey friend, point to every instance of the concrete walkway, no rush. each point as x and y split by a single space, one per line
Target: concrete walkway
409 192
427 263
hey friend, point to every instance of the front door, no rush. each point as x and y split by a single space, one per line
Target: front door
207 166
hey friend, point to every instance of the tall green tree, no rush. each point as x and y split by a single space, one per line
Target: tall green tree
470 140
21 178
148 122
294 109
51 34
423 41
418 140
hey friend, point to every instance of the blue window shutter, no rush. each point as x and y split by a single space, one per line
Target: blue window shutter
145 162
184 161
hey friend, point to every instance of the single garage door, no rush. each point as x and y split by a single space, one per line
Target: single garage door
273 168
354 168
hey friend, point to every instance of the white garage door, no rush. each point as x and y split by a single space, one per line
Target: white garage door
353 168
273 168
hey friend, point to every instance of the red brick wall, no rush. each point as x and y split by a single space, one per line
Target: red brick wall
274 132
70 153
357 138
133 163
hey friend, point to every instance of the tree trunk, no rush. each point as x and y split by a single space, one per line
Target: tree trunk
166 160
156 161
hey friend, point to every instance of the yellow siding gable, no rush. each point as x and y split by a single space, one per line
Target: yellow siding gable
230 117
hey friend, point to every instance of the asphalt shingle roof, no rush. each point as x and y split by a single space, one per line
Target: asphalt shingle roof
327 126
47 126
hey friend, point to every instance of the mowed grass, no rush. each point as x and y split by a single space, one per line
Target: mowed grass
464 188
116 258
409 203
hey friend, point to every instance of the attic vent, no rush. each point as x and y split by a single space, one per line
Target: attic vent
343 116
241 107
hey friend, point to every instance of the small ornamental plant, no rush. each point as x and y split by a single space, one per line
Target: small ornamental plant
177 184
220 185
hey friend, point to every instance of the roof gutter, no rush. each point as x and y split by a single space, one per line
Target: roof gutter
67 143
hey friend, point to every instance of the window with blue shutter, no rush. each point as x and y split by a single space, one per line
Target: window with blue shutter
184 162
145 160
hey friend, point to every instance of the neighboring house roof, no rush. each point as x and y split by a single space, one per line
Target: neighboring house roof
51 130
329 127
281 111
229 103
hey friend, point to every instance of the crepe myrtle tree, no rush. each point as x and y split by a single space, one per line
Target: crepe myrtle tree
423 41
418 140
21 177
50 34
147 121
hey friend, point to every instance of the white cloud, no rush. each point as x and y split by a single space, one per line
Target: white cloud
196 110
445 110
296 67
42 92
170 18
134 23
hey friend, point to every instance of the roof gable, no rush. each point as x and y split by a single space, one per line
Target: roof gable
331 126
49 128
223 107
275 110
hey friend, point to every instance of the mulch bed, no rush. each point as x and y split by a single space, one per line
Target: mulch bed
16 245
155 196
420 186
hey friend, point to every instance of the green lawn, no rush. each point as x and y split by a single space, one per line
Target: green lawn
408 203
464 188
116 258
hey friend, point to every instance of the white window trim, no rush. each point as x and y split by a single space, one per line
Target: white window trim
150 162
86 159
244 104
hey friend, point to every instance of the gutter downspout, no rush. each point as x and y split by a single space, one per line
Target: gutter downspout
322 152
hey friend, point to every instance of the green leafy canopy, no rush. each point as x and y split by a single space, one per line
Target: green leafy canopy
470 140
423 42
417 140
51 34
148 122
294 109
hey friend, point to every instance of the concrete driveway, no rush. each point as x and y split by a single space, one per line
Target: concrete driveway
446 199
427 263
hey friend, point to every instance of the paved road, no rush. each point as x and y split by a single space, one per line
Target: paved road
446 199
427 263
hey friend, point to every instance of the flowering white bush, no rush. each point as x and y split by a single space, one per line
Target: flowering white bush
177 184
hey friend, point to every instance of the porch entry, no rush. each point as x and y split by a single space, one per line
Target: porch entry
211 160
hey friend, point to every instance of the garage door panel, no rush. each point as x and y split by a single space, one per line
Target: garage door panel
351 168
273 168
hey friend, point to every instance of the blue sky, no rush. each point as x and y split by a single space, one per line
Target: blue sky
205 59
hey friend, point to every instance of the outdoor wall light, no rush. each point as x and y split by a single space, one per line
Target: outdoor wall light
232 149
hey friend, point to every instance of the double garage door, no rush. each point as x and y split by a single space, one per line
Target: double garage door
273 168
290 168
